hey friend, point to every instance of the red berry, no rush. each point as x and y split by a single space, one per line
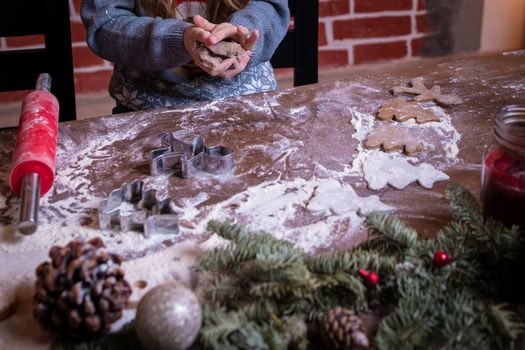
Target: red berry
371 278
363 273
441 259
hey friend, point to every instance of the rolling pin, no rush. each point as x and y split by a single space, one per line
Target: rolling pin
33 166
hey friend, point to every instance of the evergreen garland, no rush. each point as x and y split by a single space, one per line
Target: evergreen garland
264 292
265 288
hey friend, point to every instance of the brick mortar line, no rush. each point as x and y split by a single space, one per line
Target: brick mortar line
351 54
381 40
391 13
405 13
329 32
75 44
28 47
75 19
78 44
92 69
72 9
413 20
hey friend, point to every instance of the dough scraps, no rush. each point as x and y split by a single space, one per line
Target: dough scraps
331 197
425 95
402 110
214 55
381 169
392 138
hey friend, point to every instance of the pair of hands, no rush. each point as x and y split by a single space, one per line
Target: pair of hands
210 33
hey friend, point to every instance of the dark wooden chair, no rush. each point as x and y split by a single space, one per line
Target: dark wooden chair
298 50
19 69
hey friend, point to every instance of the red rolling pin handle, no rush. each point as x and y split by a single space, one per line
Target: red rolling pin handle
33 167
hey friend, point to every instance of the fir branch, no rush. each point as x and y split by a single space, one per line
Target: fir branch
257 309
389 234
507 322
234 330
227 230
222 288
410 325
281 290
245 246
280 267
296 330
220 326
464 206
351 262
237 233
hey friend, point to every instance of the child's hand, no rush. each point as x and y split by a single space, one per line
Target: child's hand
192 35
226 30
195 34
218 32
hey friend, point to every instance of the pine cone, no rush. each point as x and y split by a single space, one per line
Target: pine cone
341 329
82 291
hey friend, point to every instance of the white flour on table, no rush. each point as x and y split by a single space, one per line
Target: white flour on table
304 212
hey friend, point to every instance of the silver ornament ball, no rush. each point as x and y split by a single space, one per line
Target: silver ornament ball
168 317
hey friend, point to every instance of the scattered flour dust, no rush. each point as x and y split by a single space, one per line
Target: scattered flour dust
518 87
49 235
304 212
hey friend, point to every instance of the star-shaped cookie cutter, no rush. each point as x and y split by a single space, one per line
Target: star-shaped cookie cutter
130 207
187 159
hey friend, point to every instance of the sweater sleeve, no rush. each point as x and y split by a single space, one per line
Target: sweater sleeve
271 19
117 34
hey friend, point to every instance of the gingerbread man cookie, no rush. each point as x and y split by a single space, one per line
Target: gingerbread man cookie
402 110
391 138
425 95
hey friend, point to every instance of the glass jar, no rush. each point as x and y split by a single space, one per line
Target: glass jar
503 169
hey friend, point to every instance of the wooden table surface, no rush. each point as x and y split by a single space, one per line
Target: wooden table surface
303 132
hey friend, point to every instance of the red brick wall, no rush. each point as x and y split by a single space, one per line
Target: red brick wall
350 32
365 31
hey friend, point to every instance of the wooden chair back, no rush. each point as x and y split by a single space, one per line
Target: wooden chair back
299 48
19 69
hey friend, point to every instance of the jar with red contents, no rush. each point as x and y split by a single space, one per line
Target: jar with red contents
503 170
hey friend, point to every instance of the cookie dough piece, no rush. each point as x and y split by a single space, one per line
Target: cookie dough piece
331 197
402 110
425 95
391 138
381 169
7 302
214 55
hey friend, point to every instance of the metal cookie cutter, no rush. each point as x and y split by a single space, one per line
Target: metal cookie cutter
190 158
133 208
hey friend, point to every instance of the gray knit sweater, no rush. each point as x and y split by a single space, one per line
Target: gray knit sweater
150 56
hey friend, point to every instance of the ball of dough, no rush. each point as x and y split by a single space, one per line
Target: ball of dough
168 317
214 55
